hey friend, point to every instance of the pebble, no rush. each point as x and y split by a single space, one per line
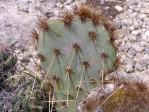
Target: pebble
56 13
144 38
118 8
136 42
143 44
135 32
147 71
129 69
131 28
147 50
147 33
59 5
142 16
131 53
138 67
138 48
123 32
132 37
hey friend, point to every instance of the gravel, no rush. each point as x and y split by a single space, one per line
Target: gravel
135 20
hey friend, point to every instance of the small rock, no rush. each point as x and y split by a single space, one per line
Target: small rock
138 48
128 62
131 28
132 37
147 71
135 32
144 37
131 53
147 33
34 54
20 58
59 5
31 60
137 57
68 7
123 32
132 2
118 8
124 22
143 44
56 13
117 23
144 61
17 51
141 16
138 67
143 30
147 50
133 15
129 68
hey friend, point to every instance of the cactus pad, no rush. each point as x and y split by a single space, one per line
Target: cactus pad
75 51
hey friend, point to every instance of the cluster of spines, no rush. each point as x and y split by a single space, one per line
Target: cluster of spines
84 12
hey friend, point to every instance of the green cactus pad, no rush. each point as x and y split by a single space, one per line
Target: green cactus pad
73 56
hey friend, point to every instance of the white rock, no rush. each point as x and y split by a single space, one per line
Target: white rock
19 58
147 33
59 5
146 56
131 52
132 37
146 50
68 7
141 16
56 13
143 43
147 71
137 57
131 28
118 8
133 15
138 48
143 30
138 67
144 37
129 68
144 61
17 51
123 32
135 32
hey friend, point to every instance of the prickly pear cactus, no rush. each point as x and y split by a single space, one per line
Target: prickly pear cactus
76 50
